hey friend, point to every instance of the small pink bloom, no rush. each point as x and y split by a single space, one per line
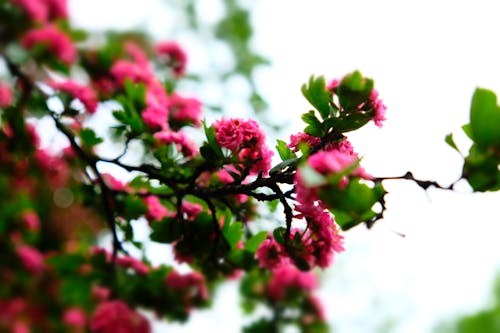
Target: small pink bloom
191 209
183 143
100 293
55 168
137 265
302 138
85 94
287 278
31 220
6 97
174 56
75 317
31 258
137 54
115 184
116 316
193 284
185 110
37 10
379 108
156 211
54 40
270 254
332 85
126 70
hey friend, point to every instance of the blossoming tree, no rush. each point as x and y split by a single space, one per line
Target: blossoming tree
202 188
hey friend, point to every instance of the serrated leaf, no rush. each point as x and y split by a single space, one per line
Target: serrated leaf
315 92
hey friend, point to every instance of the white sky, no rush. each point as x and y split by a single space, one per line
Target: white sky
426 58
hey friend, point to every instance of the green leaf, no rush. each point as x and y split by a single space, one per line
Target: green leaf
353 90
134 207
89 138
279 235
314 130
166 231
449 140
253 243
284 152
283 165
233 233
351 122
485 118
315 92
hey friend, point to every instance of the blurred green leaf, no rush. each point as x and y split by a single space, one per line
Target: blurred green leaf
485 118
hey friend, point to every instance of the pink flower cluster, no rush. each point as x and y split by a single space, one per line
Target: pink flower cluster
287 279
245 139
174 56
84 93
6 97
134 264
44 10
115 316
164 113
54 40
157 211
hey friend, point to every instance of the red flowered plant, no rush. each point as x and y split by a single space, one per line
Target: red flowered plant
202 194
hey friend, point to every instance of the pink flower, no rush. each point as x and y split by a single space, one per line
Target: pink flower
54 40
85 94
156 211
31 258
100 293
378 107
185 110
302 138
335 161
174 56
31 220
137 54
332 85
183 143
6 97
137 73
270 254
43 10
288 278
116 316
137 265
191 209
75 317
192 284
245 138
115 184
157 104
36 9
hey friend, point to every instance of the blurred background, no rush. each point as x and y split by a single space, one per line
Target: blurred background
433 260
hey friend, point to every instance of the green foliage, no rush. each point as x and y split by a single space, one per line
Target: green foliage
315 92
353 204
485 119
